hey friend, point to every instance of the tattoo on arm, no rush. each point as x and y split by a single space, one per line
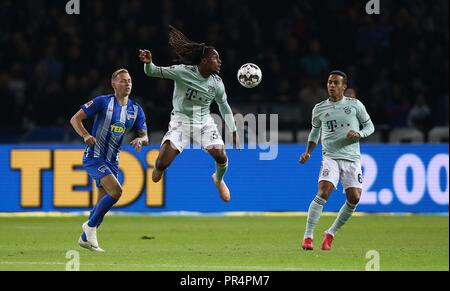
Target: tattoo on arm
143 136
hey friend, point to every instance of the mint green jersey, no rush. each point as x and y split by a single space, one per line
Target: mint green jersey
193 93
334 120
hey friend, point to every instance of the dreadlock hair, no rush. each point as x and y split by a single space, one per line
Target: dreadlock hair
186 51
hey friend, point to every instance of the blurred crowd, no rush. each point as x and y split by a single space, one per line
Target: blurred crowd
397 62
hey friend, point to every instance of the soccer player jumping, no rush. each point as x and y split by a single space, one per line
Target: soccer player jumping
338 119
114 115
197 85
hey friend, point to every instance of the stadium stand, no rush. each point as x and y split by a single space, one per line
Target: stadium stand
406 135
51 62
438 135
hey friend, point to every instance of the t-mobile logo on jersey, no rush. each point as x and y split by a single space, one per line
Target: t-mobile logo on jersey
332 125
373 7
73 7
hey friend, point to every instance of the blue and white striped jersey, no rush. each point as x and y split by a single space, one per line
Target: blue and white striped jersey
112 121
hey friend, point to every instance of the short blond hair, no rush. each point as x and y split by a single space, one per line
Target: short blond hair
118 72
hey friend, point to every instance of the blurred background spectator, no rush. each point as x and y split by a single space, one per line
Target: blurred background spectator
420 114
51 62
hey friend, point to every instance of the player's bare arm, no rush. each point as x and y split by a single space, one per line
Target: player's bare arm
77 123
145 56
236 141
307 155
140 141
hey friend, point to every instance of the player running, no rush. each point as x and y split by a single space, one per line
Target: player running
338 119
114 115
197 85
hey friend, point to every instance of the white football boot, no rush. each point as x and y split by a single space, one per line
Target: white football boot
88 246
91 236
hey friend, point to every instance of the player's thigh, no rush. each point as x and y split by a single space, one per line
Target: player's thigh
112 186
325 189
351 175
352 180
329 172
97 169
178 135
167 154
210 138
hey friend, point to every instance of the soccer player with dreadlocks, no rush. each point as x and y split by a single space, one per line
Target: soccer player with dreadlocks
197 85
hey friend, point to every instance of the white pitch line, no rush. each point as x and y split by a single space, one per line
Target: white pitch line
226 268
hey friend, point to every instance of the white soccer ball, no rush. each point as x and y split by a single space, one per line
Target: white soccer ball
249 75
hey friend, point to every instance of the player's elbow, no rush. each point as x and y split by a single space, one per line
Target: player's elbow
73 120
371 130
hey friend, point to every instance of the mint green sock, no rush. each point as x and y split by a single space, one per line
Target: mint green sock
314 213
220 171
344 215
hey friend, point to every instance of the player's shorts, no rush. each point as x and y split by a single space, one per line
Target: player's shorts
350 173
98 168
205 135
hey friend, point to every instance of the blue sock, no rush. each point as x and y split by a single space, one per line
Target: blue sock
101 209
92 213
100 222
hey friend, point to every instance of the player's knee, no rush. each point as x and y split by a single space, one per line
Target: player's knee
323 194
117 192
354 199
221 158
354 196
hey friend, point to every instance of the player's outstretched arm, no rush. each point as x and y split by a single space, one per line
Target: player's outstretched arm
150 69
77 123
236 141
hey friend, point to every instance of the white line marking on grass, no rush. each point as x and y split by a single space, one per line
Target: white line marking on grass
178 267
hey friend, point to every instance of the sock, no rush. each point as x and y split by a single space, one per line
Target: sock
83 235
314 212
344 215
221 170
101 209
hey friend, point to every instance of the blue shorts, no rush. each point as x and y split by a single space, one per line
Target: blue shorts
98 168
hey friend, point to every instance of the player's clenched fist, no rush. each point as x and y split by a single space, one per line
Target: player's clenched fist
304 158
352 134
90 140
145 56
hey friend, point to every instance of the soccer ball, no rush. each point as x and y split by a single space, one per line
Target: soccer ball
249 75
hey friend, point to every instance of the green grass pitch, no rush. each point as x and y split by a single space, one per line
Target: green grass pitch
222 243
